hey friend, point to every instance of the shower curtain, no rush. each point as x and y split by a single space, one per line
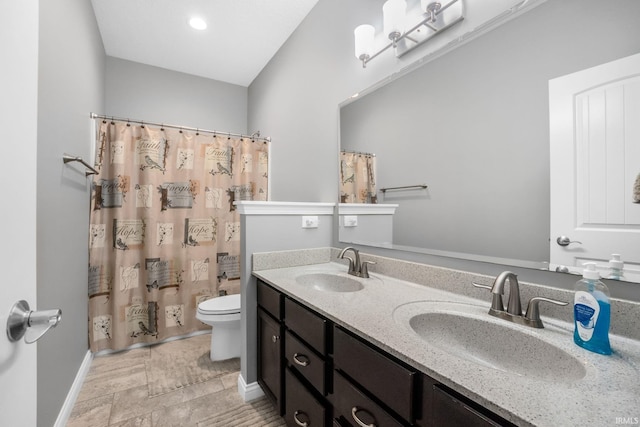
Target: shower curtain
357 178
164 233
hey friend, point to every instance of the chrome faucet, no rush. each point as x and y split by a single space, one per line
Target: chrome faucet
514 306
356 268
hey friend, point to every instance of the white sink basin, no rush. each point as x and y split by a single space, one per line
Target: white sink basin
461 330
330 282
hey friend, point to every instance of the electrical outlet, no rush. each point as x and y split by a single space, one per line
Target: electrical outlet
350 220
309 222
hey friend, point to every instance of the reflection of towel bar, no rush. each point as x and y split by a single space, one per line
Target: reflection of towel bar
66 158
406 187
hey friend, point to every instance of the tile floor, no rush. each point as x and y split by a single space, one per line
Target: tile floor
115 392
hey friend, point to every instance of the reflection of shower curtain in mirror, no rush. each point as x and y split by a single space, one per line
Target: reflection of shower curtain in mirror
164 233
357 178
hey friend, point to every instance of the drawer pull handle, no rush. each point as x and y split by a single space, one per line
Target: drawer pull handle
300 423
354 412
275 338
300 362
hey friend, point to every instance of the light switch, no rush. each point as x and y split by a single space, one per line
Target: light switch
351 220
309 222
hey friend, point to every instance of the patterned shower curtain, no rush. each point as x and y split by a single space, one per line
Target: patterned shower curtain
357 178
164 233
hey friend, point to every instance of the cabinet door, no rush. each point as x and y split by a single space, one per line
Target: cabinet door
302 409
270 358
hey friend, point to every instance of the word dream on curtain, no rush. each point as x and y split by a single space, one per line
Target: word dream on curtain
357 178
164 232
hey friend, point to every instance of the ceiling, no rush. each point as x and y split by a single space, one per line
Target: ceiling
240 39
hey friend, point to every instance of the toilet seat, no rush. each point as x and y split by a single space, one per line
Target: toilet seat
228 304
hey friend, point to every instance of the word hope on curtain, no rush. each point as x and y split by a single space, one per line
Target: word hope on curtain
164 232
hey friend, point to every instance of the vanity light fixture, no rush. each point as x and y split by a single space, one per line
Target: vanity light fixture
407 29
197 23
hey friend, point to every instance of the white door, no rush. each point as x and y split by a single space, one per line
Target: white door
18 121
594 118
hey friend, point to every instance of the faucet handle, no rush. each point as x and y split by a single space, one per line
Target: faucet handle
364 268
496 299
532 316
482 286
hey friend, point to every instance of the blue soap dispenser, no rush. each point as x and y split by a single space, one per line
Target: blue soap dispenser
592 312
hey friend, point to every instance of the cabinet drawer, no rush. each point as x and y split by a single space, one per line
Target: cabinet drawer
350 404
453 412
301 406
442 406
302 359
270 300
390 382
306 324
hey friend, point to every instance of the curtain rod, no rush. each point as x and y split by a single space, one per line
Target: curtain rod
358 152
254 136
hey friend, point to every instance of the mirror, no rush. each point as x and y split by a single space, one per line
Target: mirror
473 125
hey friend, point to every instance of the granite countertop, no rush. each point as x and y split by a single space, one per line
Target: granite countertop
380 313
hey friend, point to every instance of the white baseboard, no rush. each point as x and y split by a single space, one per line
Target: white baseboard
249 392
74 391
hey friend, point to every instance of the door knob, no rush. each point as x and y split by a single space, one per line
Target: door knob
566 241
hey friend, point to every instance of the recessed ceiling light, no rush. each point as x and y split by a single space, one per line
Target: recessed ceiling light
197 23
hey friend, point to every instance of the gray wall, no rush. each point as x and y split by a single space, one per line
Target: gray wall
71 78
296 97
143 92
267 233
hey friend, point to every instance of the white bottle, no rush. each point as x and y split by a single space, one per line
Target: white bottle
616 266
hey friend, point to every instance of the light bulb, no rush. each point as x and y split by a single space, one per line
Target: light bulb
197 23
364 35
394 16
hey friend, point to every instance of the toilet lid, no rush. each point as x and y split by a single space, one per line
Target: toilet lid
227 304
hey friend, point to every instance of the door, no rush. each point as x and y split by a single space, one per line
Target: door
594 118
18 119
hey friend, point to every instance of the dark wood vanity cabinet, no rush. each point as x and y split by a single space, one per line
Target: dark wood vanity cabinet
319 374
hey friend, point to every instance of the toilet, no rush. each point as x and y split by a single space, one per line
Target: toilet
223 314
